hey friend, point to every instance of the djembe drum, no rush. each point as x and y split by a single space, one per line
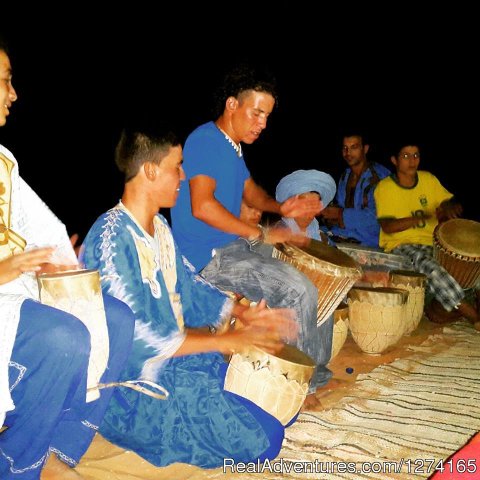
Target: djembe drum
276 383
78 292
456 246
376 317
331 271
340 328
414 283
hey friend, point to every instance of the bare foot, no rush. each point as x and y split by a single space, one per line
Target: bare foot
57 470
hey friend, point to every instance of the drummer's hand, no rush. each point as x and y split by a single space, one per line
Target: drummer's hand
275 235
240 339
333 216
280 321
448 210
299 207
56 268
29 261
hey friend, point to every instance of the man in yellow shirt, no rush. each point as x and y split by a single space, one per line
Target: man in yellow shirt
410 204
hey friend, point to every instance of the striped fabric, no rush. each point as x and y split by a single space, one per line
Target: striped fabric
421 407
399 420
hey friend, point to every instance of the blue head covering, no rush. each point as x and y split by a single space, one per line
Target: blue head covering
302 181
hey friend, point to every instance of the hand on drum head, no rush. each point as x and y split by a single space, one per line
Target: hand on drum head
55 268
300 207
275 323
448 210
267 328
283 234
29 261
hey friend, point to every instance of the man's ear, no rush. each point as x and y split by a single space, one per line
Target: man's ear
393 159
366 148
231 104
150 170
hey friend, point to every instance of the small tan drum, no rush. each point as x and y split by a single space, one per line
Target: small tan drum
78 292
377 317
276 383
456 246
331 271
340 328
414 283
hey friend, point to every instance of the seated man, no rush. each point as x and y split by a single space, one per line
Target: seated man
44 352
410 204
199 423
306 184
353 218
206 217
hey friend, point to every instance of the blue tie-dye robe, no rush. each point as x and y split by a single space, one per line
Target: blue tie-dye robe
199 423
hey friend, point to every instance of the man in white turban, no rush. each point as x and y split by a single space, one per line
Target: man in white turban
306 183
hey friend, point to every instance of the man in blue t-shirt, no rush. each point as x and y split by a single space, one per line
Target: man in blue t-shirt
206 217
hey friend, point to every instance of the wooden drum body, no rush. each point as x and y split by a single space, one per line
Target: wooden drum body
278 384
414 283
376 317
456 246
79 292
331 271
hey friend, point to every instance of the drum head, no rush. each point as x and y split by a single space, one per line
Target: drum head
459 236
66 273
379 295
320 253
407 277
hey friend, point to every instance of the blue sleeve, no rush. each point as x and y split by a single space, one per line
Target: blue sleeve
203 304
201 157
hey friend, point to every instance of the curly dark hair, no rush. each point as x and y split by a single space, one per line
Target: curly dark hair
242 78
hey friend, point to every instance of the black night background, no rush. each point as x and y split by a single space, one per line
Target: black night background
390 70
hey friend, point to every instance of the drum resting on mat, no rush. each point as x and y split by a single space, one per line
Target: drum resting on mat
377 317
456 246
414 283
332 271
277 383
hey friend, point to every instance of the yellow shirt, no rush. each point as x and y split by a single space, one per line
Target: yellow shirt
395 201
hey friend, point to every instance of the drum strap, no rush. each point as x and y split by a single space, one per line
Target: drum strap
133 384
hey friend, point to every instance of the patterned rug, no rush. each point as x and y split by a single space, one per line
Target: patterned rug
400 421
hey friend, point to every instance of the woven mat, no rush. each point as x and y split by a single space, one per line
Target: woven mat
399 420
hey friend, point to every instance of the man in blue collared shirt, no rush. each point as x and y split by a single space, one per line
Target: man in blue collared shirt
354 217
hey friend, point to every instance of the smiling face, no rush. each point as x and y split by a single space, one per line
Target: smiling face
249 114
7 92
